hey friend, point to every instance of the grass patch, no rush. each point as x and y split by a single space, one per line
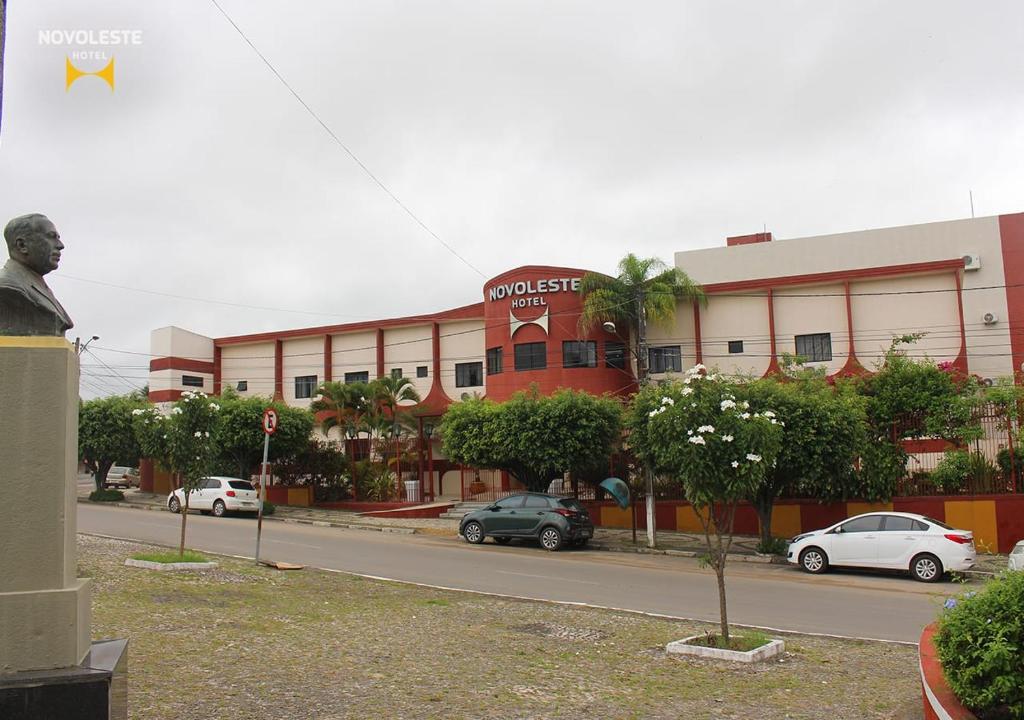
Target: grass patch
349 647
106 496
743 642
190 556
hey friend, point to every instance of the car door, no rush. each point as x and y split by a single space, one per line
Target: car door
535 509
898 540
202 497
502 515
855 542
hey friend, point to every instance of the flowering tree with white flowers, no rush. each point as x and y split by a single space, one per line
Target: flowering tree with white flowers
701 432
181 442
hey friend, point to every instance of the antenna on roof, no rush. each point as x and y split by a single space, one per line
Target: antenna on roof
971 194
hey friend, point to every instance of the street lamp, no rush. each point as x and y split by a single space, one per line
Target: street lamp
81 347
351 431
609 326
428 430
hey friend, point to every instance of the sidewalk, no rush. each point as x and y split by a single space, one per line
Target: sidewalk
611 539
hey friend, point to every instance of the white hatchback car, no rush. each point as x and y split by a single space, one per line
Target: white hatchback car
218 495
1016 559
887 540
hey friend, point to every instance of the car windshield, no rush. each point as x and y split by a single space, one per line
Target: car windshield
933 521
117 470
240 485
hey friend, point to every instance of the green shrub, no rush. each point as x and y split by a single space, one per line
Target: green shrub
959 467
1003 461
269 508
773 546
106 496
981 645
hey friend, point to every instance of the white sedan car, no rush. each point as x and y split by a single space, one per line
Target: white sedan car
218 495
887 540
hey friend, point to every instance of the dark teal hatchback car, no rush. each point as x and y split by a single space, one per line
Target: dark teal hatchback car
551 520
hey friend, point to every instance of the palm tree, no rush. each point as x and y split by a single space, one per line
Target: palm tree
645 290
346 403
388 393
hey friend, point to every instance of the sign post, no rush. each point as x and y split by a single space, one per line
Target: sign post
269 426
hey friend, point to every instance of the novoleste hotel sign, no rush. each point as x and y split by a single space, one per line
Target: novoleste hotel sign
526 293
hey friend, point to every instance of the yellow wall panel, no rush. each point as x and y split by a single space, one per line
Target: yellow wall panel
298 497
786 521
859 508
613 516
687 520
978 516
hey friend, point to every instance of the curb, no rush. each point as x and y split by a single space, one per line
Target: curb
939 702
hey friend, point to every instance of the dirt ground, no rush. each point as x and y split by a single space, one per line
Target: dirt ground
243 642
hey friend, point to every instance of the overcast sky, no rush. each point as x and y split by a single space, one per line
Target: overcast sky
562 133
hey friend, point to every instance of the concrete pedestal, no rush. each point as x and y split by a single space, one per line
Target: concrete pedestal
95 690
44 606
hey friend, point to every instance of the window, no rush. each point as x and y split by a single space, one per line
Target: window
531 356
578 354
469 374
897 523
421 371
396 373
494 361
871 523
816 347
209 484
304 386
510 503
615 355
735 346
240 485
665 359
242 386
191 381
354 377
536 501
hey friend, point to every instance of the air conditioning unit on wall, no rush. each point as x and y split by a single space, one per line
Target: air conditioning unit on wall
972 262
990 318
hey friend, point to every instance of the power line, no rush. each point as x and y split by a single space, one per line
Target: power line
342 145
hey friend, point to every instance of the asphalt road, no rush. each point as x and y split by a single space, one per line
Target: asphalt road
779 597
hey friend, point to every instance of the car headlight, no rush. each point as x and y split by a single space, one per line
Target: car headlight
798 538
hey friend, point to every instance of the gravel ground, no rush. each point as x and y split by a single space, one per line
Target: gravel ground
246 642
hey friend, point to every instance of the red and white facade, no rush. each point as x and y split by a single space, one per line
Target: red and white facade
959 283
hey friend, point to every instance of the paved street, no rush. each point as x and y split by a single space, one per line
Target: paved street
885 607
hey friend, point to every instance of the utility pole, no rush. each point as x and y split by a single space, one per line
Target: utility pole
641 371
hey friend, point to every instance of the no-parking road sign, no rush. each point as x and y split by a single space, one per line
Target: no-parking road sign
269 421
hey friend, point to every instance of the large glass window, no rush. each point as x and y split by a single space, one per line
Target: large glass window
667 358
494 361
531 356
579 353
469 374
615 355
304 386
816 347
354 377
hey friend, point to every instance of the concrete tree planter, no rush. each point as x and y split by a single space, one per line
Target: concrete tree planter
169 567
759 654
939 701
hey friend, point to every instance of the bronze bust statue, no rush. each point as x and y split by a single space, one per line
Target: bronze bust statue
27 305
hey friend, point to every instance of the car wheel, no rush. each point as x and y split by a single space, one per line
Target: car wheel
550 538
174 505
814 560
218 509
503 540
474 533
926 568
